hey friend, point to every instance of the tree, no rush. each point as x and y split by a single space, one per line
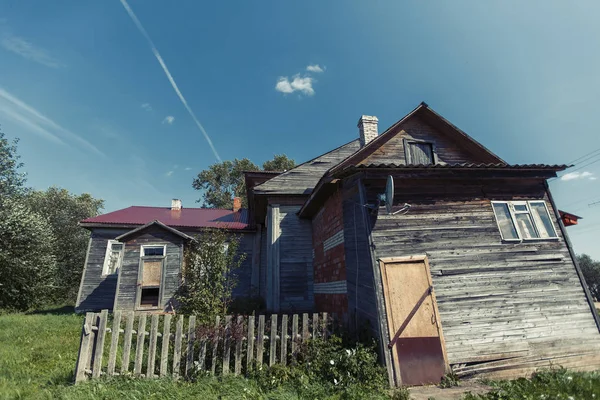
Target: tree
27 261
11 180
63 211
208 275
225 180
591 272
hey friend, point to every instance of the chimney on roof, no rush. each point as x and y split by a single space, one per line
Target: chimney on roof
367 129
237 204
175 205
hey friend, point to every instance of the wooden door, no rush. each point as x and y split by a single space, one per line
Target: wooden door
416 338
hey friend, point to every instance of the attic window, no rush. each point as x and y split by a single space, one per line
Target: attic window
524 220
112 258
419 152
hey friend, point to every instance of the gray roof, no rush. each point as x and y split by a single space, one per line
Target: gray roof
303 178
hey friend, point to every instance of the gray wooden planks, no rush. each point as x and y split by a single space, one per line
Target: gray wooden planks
139 347
166 338
114 343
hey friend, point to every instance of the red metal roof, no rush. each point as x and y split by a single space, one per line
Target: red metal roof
186 217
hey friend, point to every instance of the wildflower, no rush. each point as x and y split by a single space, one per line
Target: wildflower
335 381
570 378
331 362
348 352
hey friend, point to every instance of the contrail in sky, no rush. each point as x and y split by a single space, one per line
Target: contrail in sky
173 84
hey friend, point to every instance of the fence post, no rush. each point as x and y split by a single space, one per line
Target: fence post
305 333
84 348
260 340
239 330
325 324
226 345
166 338
215 345
139 347
273 340
152 346
177 350
114 343
250 344
190 347
284 338
127 343
294 334
97 367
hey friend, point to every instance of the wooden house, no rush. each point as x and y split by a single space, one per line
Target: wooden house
467 267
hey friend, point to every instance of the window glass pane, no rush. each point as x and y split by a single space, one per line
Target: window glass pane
421 153
153 251
113 262
526 226
116 246
520 207
542 219
505 221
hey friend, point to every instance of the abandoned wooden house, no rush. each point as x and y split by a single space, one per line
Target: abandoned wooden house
446 254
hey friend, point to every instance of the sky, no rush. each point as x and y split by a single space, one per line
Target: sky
128 101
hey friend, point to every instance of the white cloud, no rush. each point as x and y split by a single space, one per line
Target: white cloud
169 119
146 107
297 84
188 168
578 175
315 68
169 173
28 50
160 60
32 119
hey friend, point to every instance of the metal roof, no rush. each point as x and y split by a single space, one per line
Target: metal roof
186 217
469 166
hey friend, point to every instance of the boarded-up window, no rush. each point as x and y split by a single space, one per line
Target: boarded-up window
151 270
419 153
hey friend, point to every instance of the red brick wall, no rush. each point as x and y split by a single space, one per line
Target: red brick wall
330 265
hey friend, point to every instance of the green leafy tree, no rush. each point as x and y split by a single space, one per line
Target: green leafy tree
27 261
223 181
63 211
11 179
591 271
208 275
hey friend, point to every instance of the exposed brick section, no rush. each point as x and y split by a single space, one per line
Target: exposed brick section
330 265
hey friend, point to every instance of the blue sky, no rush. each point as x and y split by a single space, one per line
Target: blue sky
96 112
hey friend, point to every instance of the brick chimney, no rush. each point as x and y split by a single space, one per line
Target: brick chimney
237 204
367 129
175 205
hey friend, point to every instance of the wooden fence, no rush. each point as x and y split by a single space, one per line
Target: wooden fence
233 345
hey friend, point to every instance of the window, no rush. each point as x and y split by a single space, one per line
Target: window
150 275
524 220
157 251
419 153
113 257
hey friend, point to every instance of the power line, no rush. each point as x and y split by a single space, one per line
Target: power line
583 156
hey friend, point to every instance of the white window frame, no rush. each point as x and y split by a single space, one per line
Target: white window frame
511 208
105 267
138 296
142 247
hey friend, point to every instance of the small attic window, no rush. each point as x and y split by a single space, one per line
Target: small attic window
419 152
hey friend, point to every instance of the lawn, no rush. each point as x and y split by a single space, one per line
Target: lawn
38 352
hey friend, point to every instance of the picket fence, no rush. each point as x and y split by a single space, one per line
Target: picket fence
247 341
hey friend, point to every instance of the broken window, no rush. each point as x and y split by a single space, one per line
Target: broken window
113 257
524 220
150 278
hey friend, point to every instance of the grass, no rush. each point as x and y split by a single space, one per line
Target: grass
38 352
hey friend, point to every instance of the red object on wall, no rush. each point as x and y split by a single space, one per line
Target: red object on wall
568 219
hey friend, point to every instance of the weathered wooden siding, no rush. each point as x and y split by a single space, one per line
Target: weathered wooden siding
243 275
506 308
263 264
447 150
97 292
128 274
302 179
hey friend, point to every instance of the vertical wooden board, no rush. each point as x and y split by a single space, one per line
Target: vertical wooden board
294 334
202 354
189 364
260 340
227 345
273 341
114 343
238 345
93 335
215 345
166 338
250 343
139 347
305 333
325 325
152 346
177 349
97 368
315 326
127 337
284 338
84 348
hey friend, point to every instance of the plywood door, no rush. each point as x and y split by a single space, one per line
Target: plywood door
415 332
